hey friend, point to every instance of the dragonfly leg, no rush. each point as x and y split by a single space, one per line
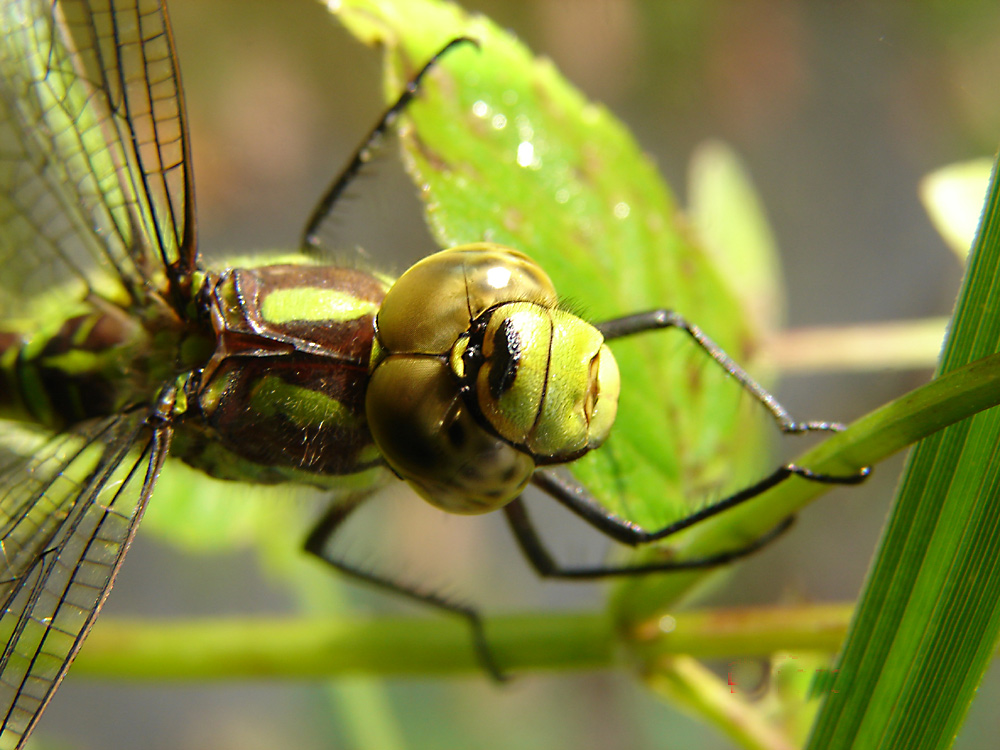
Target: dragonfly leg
317 543
310 237
574 496
657 319
546 566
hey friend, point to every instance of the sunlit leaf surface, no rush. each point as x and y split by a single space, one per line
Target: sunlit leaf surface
506 150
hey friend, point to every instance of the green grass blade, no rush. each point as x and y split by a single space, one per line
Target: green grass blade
930 614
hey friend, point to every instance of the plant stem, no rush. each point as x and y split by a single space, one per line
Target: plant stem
302 648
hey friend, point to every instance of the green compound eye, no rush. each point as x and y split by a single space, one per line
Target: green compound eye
544 372
478 377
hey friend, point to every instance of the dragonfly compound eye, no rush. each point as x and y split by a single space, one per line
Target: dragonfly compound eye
545 381
477 377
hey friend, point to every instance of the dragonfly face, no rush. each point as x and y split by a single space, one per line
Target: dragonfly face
476 382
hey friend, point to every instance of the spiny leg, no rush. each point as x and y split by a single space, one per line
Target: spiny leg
657 319
574 496
317 543
310 237
547 567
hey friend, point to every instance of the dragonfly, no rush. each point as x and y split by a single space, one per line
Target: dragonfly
119 347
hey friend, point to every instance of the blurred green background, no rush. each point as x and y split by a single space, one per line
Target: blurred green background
838 110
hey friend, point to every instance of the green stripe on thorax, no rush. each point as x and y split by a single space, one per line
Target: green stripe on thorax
282 397
314 304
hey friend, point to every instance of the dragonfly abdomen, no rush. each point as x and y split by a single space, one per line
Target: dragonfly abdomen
92 364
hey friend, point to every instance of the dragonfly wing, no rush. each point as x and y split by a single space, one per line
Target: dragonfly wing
95 184
67 517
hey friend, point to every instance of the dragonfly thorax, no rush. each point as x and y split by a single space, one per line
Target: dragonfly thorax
281 398
478 377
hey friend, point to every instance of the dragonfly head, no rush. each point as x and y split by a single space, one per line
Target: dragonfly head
478 376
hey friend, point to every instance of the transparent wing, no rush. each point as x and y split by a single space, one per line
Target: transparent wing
67 517
95 187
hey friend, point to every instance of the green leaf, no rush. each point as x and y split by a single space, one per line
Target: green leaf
731 221
953 197
930 615
505 150
680 433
